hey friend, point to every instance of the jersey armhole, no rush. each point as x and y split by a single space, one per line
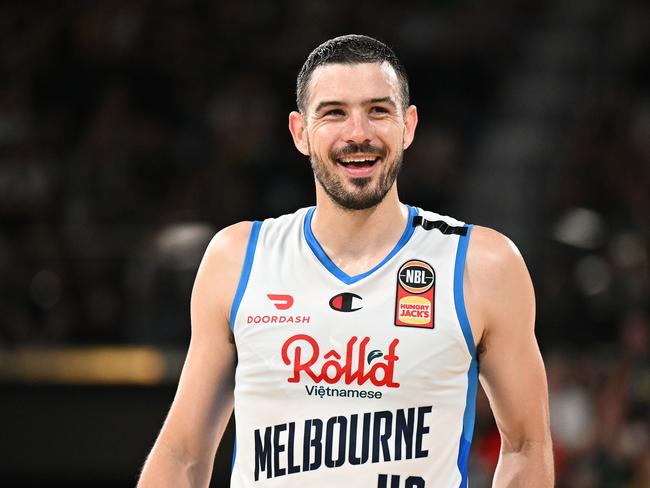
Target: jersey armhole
459 295
465 441
245 272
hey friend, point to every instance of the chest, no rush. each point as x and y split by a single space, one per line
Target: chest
394 331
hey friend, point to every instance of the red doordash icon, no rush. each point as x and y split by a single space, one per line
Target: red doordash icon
281 302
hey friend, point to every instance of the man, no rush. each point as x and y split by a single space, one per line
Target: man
351 333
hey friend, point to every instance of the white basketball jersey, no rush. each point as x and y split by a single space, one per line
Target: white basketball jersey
353 381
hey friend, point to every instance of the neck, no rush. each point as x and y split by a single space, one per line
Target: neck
357 240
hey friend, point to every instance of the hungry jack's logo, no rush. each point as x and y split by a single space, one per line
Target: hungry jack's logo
415 295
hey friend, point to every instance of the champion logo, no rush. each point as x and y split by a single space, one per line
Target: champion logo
281 302
346 302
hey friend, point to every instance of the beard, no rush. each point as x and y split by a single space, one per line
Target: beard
365 195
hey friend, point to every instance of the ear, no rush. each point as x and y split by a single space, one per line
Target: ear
298 129
410 122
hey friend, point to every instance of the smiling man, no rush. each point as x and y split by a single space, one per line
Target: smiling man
370 164
348 336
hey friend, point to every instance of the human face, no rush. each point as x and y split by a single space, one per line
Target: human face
354 131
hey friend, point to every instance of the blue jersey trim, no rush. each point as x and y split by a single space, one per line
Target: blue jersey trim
472 373
234 456
245 272
468 421
325 260
459 296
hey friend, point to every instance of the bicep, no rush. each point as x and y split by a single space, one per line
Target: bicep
510 364
204 398
512 375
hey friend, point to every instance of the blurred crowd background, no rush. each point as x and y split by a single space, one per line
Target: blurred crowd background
132 131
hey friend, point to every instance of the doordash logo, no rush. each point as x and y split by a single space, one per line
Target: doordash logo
281 302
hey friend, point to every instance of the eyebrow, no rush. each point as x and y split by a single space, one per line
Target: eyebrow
387 100
328 103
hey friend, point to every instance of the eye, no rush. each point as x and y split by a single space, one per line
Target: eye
336 112
379 110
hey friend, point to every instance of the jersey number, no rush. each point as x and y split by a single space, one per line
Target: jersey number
410 482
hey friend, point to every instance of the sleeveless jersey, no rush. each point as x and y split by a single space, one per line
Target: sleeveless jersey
353 381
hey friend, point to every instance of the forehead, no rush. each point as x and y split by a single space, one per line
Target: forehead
350 83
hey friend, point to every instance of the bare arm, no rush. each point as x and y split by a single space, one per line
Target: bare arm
183 454
501 302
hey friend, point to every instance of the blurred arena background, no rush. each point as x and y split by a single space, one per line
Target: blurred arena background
132 131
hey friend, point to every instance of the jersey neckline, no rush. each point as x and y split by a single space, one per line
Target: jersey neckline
325 260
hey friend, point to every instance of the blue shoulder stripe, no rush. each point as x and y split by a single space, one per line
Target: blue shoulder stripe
465 442
245 272
459 296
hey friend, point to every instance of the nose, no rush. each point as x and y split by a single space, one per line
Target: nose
358 129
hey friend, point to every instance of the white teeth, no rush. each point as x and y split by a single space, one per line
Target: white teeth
364 160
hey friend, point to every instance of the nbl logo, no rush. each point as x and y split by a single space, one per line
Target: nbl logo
416 276
415 291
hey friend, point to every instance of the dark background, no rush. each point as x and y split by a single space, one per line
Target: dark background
132 131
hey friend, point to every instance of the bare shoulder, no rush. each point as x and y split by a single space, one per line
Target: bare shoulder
498 284
229 243
491 251
218 275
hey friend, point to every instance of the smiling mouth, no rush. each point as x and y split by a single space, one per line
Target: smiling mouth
358 163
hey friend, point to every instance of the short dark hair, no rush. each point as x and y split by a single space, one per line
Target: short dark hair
349 49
